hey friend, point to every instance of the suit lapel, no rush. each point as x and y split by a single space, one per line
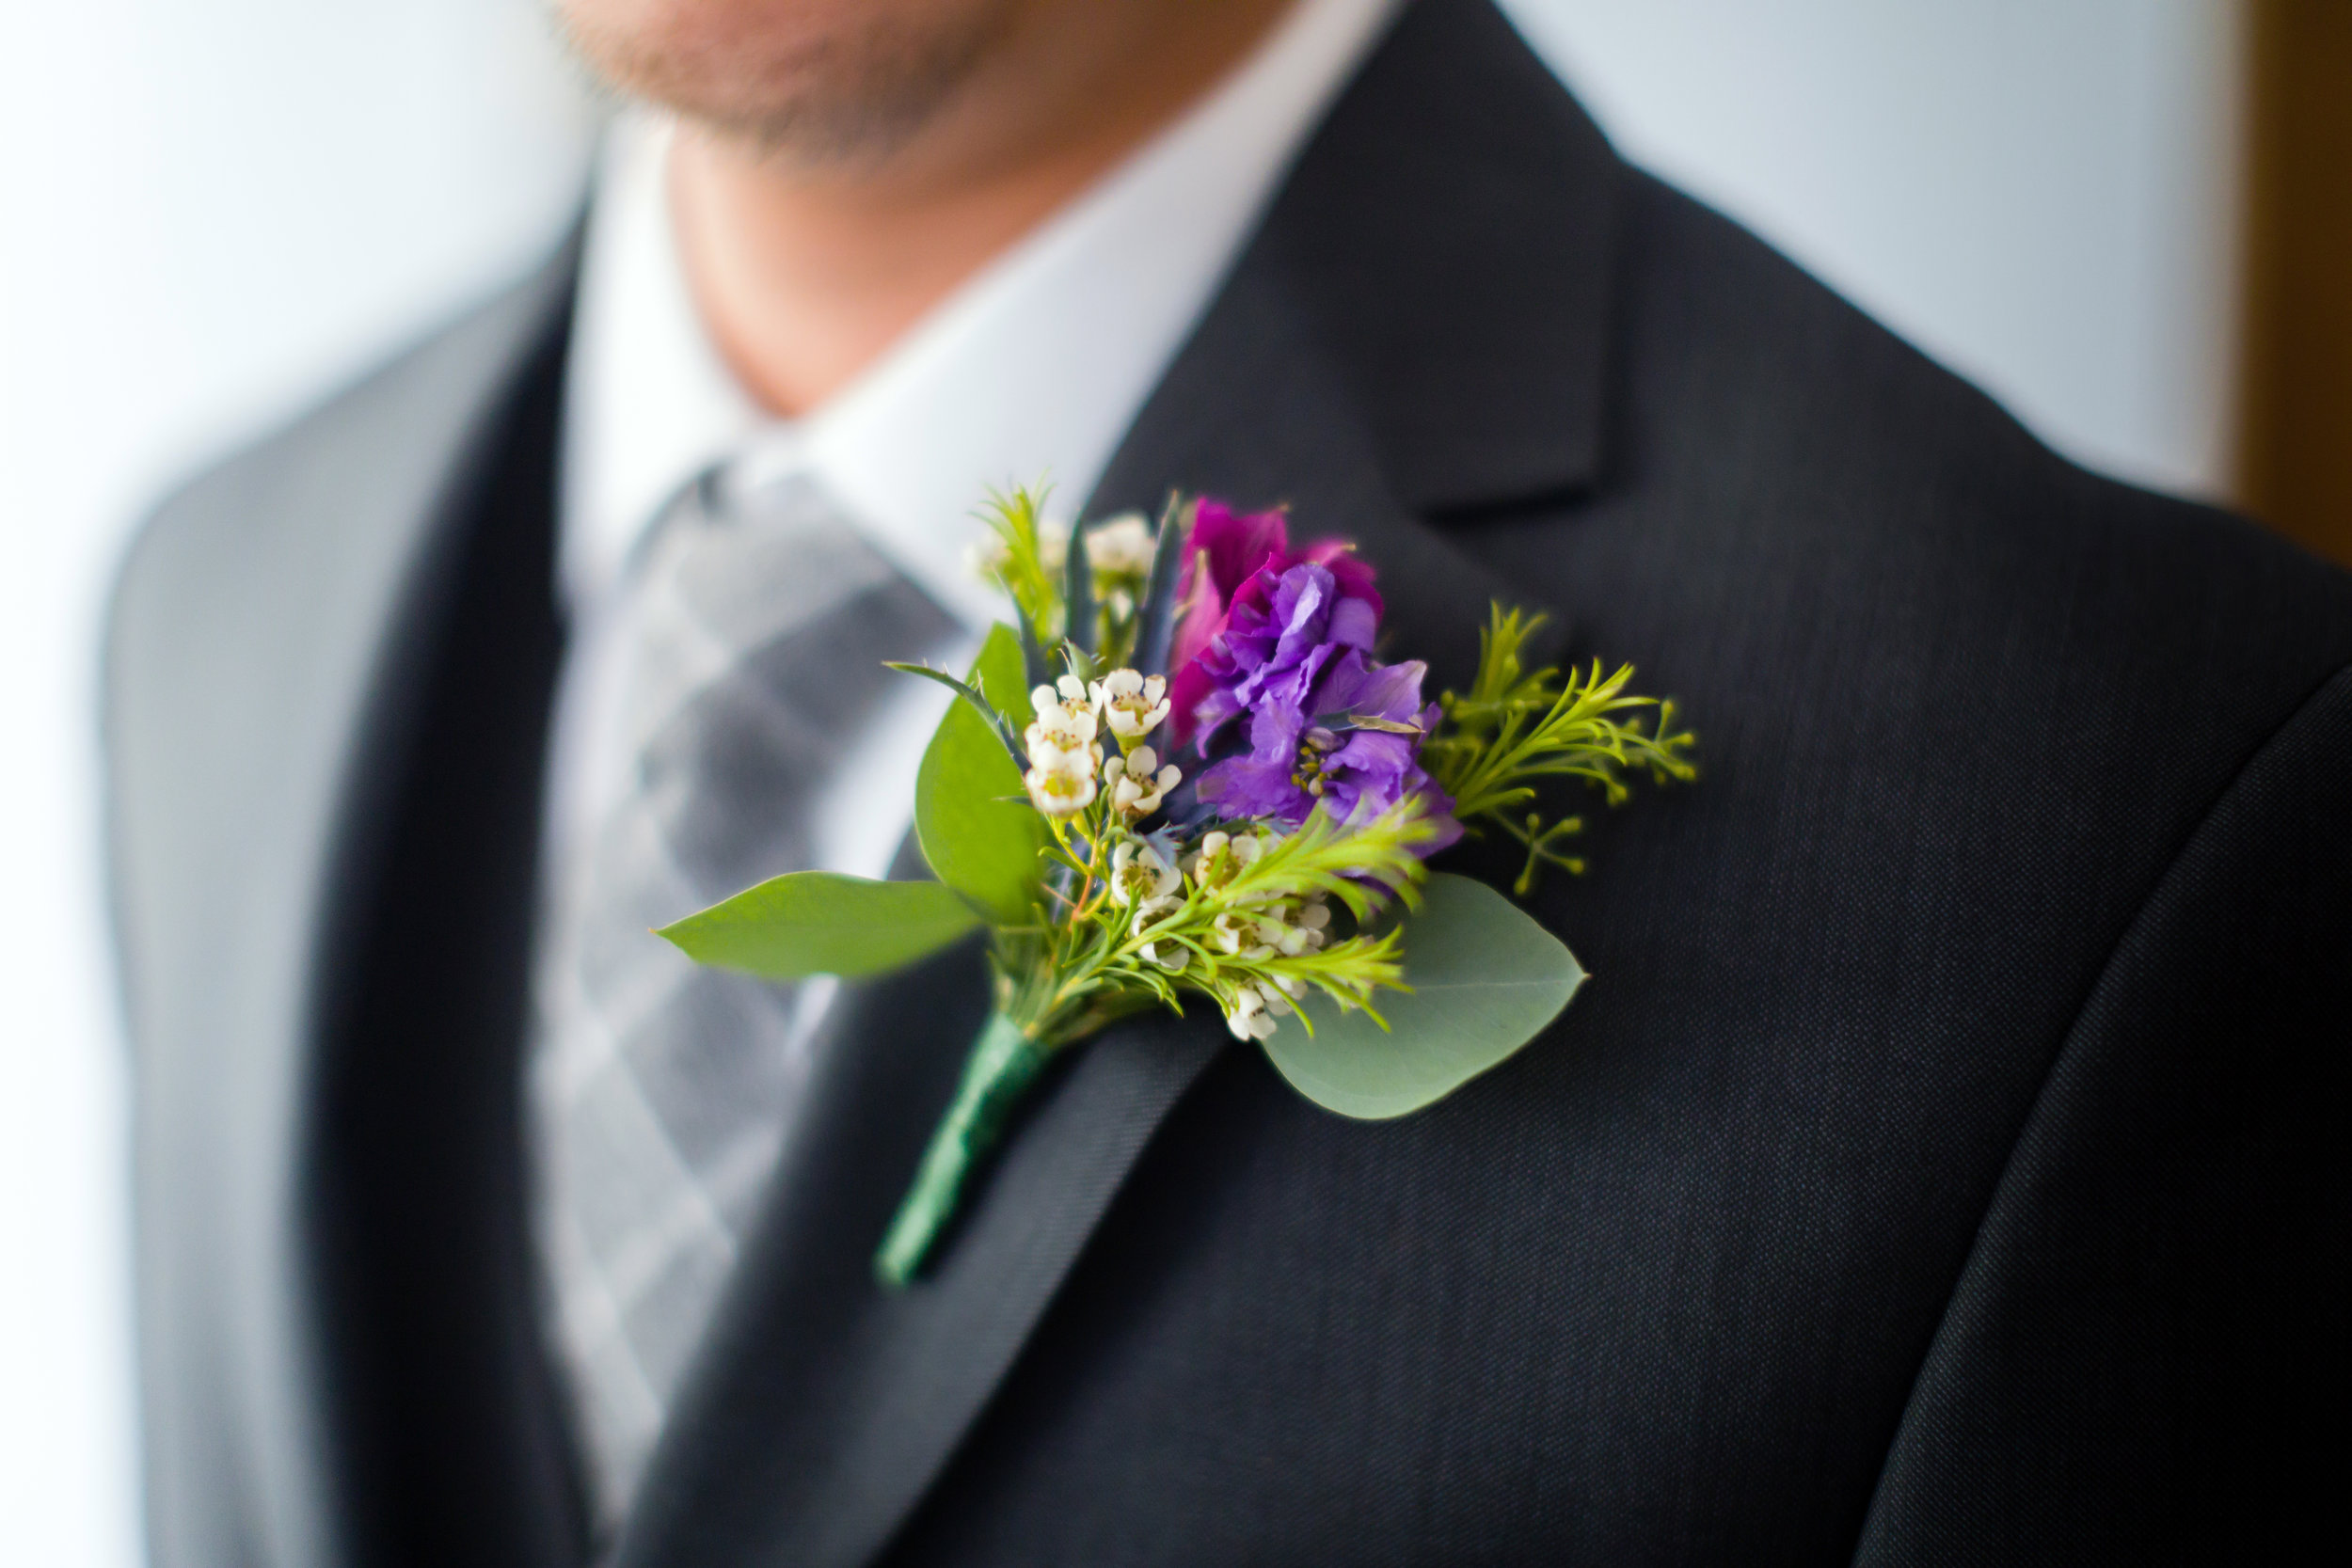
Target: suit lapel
359 531
268 635
1257 412
449 1433
1369 359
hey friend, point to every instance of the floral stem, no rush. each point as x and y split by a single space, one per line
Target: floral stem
1004 1063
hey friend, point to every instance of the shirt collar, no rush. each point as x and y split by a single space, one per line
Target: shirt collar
1033 368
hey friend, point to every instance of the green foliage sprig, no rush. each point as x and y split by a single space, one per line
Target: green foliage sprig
1018 523
1240 914
1514 727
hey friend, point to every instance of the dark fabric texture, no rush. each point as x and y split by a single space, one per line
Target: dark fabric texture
412 1161
1941 1164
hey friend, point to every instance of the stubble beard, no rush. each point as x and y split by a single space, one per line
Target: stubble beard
846 93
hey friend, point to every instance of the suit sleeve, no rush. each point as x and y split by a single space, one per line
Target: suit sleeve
2144 1359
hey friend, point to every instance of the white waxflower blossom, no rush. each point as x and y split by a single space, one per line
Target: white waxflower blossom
1222 857
1238 935
1122 547
1167 954
1067 696
1140 877
1253 1011
1060 784
1134 704
1053 544
1150 910
1047 755
1293 927
1047 758
1065 723
1137 781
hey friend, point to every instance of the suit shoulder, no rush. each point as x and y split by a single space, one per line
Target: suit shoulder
1881 473
256 600
210 533
256 530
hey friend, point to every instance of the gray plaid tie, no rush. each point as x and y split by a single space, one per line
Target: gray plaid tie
751 643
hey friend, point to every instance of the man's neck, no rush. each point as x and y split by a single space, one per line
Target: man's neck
804 275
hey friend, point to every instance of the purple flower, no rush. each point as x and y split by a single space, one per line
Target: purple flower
1353 746
1233 562
1274 648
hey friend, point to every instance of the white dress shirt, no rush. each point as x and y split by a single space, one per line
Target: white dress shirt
1031 370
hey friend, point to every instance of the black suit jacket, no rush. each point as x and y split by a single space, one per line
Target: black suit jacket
1945 1163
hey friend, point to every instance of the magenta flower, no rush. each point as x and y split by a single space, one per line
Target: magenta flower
1233 562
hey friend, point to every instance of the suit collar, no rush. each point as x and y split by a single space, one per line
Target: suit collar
1371 357
1419 327
1445 251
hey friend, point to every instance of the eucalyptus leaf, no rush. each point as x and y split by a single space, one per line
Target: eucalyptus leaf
1487 979
979 839
822 922
1002 673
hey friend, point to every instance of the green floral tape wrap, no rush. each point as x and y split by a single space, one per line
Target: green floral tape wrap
1003 1064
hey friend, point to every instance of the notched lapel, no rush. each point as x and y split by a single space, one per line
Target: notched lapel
1255 413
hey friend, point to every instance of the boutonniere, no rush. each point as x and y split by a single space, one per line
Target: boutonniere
1180 774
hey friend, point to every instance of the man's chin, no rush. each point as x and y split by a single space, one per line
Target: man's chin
822 80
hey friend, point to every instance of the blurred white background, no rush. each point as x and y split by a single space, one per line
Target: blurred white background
210 210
